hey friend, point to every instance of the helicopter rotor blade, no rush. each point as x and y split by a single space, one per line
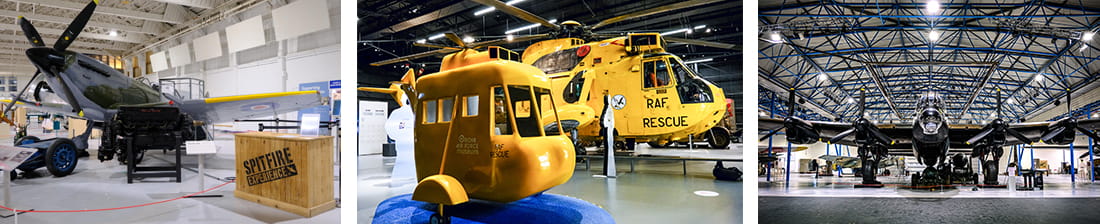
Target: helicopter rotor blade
435 46
31 32
70 33
651 11
454 38
517 12
498 42
701 43
413 57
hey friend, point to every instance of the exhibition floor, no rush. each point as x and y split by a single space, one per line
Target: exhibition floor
632 197
99 185
805 185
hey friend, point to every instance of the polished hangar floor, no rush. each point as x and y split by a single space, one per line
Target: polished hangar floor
96 185
834 200
657 192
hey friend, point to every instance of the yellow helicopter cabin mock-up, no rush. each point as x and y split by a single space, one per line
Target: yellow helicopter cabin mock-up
485 128
656 97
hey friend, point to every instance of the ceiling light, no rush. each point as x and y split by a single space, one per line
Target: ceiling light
422 41
1083 47
676 31
933 7
490 9
1087 36
437 36
776 38
1038 78
527 27
708 30
697 61
850 100
113 33
933 36
468 39
699 27
509 37
822 77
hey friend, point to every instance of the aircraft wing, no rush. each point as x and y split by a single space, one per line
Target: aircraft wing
52 108
229 108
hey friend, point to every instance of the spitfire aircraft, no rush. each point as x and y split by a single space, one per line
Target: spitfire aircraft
75 85
486 128
657 98
930 139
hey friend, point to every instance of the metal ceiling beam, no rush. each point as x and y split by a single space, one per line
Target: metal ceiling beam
37 17
137 38
23 40
204 4
171 14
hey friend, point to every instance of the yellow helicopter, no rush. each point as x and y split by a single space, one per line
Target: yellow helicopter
484 129
656 97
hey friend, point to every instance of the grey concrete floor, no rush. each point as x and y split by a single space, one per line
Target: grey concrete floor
96 185
657 192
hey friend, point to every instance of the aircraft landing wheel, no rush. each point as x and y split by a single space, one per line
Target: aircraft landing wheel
61 157
718 138
439 219
26 140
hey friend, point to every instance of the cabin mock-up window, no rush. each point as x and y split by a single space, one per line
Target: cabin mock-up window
448 109
471 106
501 120
431 111
547 110
527 119
655 74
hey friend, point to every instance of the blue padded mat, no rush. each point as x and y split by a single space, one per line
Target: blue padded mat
539 208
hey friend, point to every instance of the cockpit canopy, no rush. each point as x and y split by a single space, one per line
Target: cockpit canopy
930 100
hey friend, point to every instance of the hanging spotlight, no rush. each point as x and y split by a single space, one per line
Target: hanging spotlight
933 7
468 39
822 77
933 36
1087 36
509 37
776 38
113 33
422 41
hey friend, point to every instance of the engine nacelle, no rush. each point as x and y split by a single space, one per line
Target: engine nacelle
801 132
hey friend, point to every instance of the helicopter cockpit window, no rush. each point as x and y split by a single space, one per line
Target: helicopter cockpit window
558 61
501 120
471 106
527 119
572 91
547 110
655 75
431 111
448 109
692 89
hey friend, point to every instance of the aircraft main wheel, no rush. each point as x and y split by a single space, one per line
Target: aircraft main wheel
61 157
439 219
719 138
26 140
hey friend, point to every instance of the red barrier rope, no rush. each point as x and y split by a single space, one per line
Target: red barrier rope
118 208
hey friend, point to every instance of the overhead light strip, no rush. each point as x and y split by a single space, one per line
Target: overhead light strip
527 27
490 9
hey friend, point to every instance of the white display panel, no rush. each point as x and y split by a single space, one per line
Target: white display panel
180 55
158 61
299 18
246 34
372 116
207 47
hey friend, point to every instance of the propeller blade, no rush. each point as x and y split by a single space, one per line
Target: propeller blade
16 97
414 56
999 103
1052 134
790 103
70 33
519 13
31 33
886 140
1018 136
651 11
435 46
769 135
454 38
842 135
701 43
1089 133
980 136
862 102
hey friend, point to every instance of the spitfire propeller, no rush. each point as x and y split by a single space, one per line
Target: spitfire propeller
50 60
